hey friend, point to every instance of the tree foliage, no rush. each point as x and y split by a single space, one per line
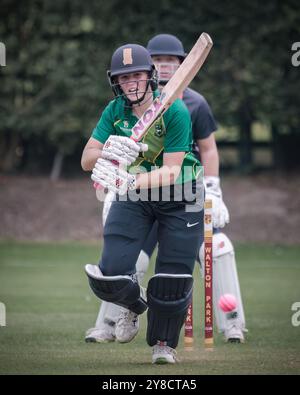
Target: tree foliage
54 86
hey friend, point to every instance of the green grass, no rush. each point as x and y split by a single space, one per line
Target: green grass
49 307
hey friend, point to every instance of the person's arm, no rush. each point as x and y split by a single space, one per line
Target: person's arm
176 144
92 151
166 175
118 180
209 155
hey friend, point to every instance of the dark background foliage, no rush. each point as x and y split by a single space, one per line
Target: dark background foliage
54 85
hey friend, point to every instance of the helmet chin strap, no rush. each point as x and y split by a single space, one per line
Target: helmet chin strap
163 82
118 91
130 103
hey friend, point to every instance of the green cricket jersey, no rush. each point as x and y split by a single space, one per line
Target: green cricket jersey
171 133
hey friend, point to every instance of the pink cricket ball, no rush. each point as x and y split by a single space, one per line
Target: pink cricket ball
227 302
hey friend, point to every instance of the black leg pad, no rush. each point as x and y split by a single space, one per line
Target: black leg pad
121 290
168 298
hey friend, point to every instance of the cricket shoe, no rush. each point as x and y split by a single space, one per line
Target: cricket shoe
127 326
234 334
162 355
105 334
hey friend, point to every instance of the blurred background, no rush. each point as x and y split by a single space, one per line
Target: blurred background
54 85
54 88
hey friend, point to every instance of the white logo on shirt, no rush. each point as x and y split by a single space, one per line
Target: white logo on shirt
188 225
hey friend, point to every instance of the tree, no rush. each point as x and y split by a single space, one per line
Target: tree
54 85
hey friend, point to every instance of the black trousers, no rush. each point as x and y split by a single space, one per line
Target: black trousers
179 234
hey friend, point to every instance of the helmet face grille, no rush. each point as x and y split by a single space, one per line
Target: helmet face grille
131 58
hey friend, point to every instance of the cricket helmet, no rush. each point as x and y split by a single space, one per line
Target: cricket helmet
166 44
131 58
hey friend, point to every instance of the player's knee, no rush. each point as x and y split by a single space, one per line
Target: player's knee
110 269
175 268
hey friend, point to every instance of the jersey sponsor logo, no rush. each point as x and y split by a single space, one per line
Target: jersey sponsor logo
158 131
127 56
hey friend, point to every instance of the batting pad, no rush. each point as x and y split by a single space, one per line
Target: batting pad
121 290
168 296
225 279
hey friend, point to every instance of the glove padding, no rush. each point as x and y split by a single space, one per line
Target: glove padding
122 149
220 214
113 177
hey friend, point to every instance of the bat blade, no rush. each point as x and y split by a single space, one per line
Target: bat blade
176 85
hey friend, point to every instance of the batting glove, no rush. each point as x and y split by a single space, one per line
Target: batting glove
113 177
122 149
220 214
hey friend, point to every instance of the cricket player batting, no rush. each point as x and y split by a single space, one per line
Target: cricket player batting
168 53
141 149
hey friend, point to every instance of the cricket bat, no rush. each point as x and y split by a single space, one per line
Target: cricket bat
176 85
172 90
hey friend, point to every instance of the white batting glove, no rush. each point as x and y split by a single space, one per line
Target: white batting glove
220 214
113 177
122 149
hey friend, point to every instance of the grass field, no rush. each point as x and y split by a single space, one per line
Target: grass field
49 306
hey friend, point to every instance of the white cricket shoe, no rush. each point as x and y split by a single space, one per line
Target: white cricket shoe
163 354
234 334
105 334
127 326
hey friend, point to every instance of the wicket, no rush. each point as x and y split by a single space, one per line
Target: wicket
208 275
188 329
208 288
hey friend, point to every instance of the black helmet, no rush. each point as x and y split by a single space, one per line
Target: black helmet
166 44
131 58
